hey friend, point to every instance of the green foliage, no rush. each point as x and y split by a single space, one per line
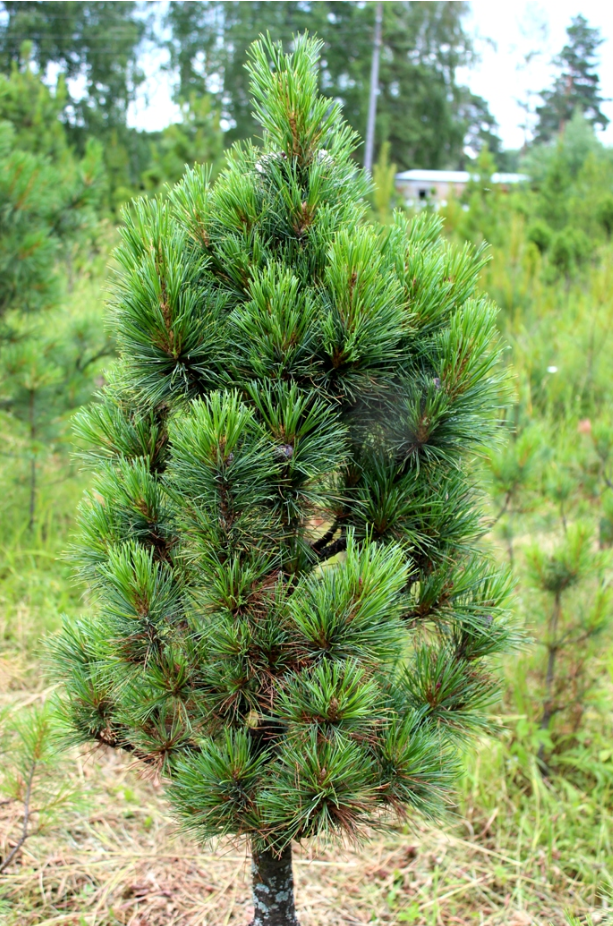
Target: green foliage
572 627
550 484
564 160
565 567
197 139
292 619
49 203
28 252
480 220
77 38
384 175
554 192
570 248
46 371
98 43
605 214
540 234
48 198
33 110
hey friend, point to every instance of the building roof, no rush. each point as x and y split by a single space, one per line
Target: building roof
454 176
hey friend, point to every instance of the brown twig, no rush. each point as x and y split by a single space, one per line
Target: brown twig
337 546
503 510
325 539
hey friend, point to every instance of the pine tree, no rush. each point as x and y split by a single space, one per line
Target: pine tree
579 606
294 619
46 207
47 370
512 473
577 86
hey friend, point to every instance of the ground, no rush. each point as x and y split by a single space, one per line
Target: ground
120 860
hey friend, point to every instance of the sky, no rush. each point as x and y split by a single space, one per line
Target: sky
506 35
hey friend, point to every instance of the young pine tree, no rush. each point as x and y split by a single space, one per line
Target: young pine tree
47 370
294 617
577 615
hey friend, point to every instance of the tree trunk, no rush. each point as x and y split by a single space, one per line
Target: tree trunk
273 889
369 147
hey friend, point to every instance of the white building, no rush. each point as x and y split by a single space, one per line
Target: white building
435 186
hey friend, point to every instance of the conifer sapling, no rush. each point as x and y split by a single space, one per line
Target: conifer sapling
293 616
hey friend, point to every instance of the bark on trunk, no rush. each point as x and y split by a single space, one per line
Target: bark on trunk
273 889
369 147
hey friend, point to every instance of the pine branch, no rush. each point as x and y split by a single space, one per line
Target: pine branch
105 351
503 509
325 539
331 549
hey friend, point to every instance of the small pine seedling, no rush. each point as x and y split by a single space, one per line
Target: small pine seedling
571 577
34 788
294 617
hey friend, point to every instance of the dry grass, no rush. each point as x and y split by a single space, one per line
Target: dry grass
121 861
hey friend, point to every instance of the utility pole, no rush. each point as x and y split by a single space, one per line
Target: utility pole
374 90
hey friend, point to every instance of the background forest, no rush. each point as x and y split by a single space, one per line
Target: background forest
530 840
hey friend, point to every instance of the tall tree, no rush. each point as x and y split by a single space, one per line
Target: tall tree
577 85
285 364
422 110
95 41
425 114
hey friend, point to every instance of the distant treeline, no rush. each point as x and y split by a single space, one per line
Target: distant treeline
424 113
